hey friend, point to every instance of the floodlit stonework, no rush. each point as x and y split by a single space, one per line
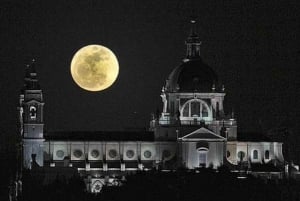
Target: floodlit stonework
193 131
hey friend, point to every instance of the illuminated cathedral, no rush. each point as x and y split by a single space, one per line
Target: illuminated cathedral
192 131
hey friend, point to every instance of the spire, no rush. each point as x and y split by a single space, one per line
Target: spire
30 80
193 43
193 28
32 70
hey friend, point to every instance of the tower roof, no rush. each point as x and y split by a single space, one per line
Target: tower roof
30 79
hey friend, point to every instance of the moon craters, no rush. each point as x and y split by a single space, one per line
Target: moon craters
94 68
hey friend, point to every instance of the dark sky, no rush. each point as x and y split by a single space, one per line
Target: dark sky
252 45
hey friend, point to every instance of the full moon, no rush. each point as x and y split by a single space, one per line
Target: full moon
94 68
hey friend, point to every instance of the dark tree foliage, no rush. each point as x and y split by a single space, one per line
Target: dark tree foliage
61 189
182 185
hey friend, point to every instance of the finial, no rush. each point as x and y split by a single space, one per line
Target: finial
232 115
193 27
223 87
213 88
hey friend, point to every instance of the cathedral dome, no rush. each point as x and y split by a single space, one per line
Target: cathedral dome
192 76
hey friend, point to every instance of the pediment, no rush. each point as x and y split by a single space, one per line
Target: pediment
202 134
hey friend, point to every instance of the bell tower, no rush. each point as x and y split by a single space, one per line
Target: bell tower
31 119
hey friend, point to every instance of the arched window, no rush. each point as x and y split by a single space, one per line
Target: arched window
255 154
195 109
32 110
241 155
267 154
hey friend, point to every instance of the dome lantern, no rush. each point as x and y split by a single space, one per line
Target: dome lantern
193 75
193 44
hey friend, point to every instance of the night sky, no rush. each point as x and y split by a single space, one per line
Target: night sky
252 45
